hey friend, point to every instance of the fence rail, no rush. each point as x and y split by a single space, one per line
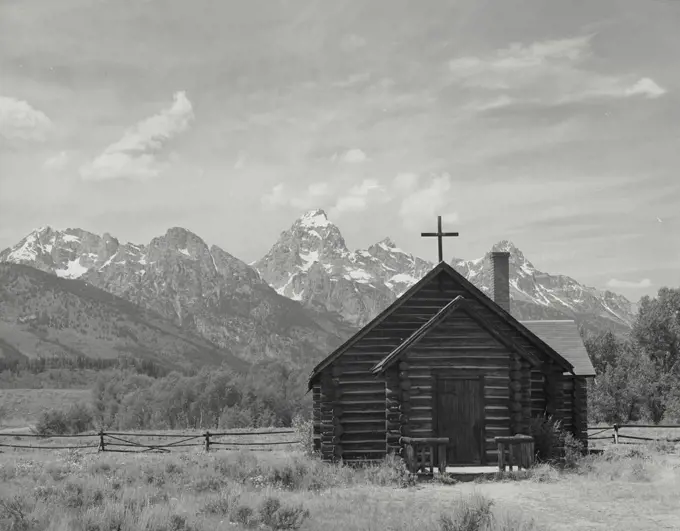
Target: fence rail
616 436
126 443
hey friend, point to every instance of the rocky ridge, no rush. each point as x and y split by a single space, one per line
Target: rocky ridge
199 288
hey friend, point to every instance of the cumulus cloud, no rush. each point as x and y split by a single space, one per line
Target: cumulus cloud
644 283
57 162
312 197
135 155
357 198
646 87
20 121
553 71
423 199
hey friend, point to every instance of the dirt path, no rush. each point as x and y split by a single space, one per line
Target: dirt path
578 504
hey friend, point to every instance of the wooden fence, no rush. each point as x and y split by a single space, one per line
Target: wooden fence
130 442
616 434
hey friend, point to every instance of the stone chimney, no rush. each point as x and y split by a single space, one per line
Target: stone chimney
500 287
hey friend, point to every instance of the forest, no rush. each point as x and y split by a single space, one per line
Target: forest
638 379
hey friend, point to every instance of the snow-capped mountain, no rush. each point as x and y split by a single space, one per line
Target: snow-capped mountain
539 295
305 296
200 288
310 263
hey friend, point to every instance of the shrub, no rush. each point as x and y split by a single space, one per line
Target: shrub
547 434
276 516
472 514
77 419
51 422
573 450
224 504
245 515
304 429
14 514
391 471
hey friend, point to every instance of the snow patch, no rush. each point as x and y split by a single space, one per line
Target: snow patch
403 278
358 275
314 218
309 259
48 248
26 251
73 270
526 269
185 252
70 238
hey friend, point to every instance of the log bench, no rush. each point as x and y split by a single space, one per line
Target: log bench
520 451
420 453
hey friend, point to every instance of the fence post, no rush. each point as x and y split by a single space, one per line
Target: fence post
207 441
616 434
102 447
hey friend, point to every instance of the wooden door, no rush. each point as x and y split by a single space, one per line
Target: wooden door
460 416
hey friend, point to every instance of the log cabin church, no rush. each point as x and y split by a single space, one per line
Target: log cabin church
445 360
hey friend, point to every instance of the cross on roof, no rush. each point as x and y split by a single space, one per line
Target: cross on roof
439 234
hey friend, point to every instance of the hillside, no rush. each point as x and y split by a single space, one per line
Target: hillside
202 290
42 315
297 303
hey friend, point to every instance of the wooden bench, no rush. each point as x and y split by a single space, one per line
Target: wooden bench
420 453
520 451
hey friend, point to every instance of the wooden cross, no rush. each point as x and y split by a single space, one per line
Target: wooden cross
439 234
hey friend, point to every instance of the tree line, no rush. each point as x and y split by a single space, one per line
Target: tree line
638 377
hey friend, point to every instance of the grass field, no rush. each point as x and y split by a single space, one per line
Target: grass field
630 487
626 488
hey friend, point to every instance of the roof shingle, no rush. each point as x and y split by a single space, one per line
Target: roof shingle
563 337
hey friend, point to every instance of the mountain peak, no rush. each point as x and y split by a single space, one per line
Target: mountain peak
388 242
314 218
505 246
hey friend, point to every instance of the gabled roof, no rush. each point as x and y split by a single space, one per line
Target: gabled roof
459 303
415 337
473 291
564 337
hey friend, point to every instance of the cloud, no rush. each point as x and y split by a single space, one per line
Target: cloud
240 161
421 201
135 155
553 71
57 162
20 121
490 104
357 198
354 156
646 87
405 182
315 195
352 42
644 283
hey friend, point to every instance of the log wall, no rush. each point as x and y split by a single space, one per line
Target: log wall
459 346
537 393
359 421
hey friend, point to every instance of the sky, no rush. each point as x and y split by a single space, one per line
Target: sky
552 124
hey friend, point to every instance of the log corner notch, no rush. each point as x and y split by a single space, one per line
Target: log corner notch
580 411
331 428
393 412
